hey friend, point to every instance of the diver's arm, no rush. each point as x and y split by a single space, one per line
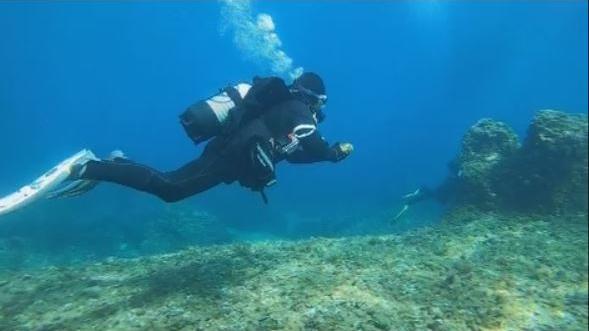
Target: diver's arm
314 148
300 156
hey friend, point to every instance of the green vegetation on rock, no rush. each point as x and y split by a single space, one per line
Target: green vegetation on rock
485 147
490 273
547 174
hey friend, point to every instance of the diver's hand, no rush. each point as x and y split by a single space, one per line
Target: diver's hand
344 150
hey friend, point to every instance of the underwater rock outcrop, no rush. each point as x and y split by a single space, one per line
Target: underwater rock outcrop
485 146
546 174
551 168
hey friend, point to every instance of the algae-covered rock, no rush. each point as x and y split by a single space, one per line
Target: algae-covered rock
488 274
547 174
485 146
551 167
181 226
553 134
487 142
137 234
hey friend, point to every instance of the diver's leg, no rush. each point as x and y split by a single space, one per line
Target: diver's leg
194 177
77 186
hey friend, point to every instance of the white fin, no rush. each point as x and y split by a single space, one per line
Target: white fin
44 184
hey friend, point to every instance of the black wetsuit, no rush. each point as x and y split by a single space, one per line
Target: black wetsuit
224 159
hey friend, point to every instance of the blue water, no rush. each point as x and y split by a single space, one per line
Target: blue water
405 80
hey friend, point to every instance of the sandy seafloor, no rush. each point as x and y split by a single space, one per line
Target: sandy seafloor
477 272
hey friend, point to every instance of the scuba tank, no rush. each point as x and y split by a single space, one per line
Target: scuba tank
233 108
208 118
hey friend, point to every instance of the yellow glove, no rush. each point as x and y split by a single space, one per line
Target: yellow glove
345 149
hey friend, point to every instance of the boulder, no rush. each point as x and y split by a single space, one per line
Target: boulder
549 173
485 147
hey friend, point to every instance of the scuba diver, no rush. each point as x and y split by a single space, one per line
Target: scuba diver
445 193
251 128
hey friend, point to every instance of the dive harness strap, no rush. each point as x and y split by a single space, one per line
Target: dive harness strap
268 173
233 94
262 170
238 112
263 173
